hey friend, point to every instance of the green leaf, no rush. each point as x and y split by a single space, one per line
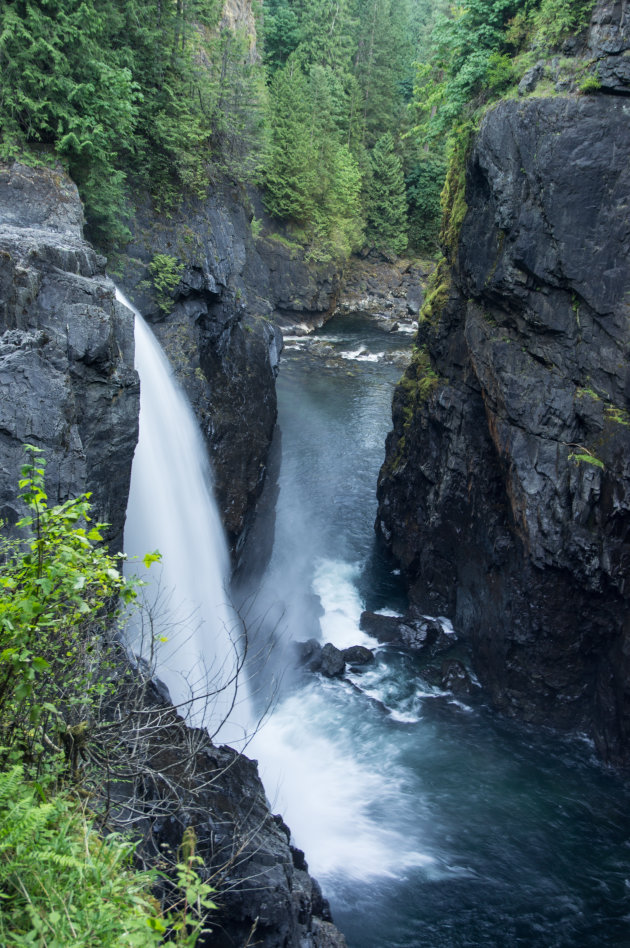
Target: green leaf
150 558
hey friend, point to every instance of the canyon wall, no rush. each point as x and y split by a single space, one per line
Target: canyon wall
67 381
506 487
219 325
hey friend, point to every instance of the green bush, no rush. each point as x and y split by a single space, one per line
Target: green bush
165 273
556 19
59 591
63 884
590 85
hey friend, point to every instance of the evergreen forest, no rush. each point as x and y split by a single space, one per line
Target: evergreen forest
340 111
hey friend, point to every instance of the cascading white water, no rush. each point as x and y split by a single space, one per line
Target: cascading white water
172 509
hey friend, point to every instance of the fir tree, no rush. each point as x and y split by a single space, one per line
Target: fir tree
387 205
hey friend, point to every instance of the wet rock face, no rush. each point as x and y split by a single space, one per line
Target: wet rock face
221 333
67 382
506 488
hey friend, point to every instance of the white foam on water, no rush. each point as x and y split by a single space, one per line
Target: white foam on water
404 717
327 793
362 355
335 583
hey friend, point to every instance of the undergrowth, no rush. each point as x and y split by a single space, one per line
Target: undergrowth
64 883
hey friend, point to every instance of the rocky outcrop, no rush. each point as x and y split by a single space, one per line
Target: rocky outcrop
506 488
393 290
67 382
218 324
263 890
413 631
609 45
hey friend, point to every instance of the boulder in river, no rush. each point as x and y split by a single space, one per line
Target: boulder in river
384 628
309 654
413 630
358 655
455 678
333 663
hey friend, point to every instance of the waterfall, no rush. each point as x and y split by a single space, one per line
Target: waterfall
188 628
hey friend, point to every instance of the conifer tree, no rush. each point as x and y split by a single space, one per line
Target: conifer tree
382 62
386 203
289 175
281 32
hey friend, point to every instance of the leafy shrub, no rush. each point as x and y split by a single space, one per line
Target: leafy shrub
556 19
589 85
59 590
62 883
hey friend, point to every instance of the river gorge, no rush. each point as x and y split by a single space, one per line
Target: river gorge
427 819
442 492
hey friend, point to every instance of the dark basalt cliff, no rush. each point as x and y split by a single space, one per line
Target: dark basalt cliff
506 488
67 381
263 891
221 330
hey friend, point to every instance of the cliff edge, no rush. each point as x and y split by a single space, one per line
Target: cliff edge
67 378
506 487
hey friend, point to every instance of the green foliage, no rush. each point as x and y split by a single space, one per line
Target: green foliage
186 920
382 66
165 273
587 391
619 415
468 52
614 413
290 175
589 85
59 589
554 20
61 883
157 95
281 32
424 184
437 292
582 458
386 200
415 387
340 80
150 90
453 197
468 55
311 177
65 87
